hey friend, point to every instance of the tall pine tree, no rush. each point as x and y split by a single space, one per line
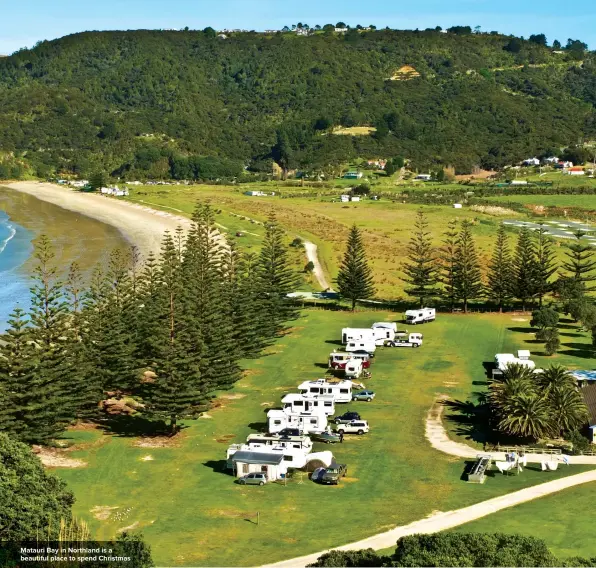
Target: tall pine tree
546 264
467 277
581 262
523 283
354 280
421 269
448 262
500 270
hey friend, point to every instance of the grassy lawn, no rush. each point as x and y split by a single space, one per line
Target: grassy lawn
386 225
583 201
561 519
191 511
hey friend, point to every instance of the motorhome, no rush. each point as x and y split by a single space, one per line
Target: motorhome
411 340
356 334
504 360
423 315
339 359
302 443
305 422
294 402
353 369
361 345
340 390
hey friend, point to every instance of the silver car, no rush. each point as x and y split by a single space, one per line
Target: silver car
253 479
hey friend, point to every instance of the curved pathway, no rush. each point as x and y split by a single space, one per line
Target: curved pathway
312 256
450 519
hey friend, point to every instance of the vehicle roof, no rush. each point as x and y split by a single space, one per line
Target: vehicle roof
258 458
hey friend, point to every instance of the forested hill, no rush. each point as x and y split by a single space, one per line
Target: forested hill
159 102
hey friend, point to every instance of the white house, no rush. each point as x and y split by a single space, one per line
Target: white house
341 30
344 198
294 402
341 391
531 162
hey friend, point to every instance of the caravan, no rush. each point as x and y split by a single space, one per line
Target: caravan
383 334
369 345
354 369
357 334
423 315
503 360
341 391
304 422
293 403
339 359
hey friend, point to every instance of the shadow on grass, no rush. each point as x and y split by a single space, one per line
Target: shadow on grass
472 419
134 426
219 466
522 329
322 366
258 426
488 368
570 334
334 342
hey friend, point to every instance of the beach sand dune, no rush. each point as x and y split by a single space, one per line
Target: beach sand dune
142 226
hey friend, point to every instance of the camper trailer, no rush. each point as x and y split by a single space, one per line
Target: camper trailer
340 390
304 422
297 443
383 334
423 315
353 369
384 324
356 334
368 345
339 359
410 340
293 403
503 360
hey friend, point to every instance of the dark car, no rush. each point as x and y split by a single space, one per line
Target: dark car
333 473
325 437
347 417
363 352
290 432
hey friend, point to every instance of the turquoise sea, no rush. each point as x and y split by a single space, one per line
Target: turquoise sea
15 249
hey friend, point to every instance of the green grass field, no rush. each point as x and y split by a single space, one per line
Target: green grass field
192 513
564 520
583 201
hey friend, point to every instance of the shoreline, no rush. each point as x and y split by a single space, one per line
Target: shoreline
141 226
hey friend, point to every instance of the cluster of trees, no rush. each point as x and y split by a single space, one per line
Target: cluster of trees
98 101
457 549
453 270
536 405
168 332
36 508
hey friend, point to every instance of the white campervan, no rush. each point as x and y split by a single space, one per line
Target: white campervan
383 334
353 369
360 345
294 402
357 334
341 391
423 315
304 422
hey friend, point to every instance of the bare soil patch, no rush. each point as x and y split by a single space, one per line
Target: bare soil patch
235 396
103 512
129 527
267 403
225 439
158 442
520 319
52 457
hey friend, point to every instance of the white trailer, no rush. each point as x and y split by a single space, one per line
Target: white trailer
299 402
368 345
356 334
341 391
353 369
383 334
304 422
423 315
384 324
297 443
504 360
412 340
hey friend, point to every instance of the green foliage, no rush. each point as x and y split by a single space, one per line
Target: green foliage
32 501
354 279
581 262
500 270
351 558
98 180
421 267
545 318
448 260
524 268
466 268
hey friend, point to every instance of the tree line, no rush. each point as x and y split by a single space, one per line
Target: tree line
169 331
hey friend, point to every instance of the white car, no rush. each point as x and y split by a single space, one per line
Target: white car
354 427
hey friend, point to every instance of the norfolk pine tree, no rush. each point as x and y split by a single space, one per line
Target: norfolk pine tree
421 269
354 279
447 269
500 271
467 277
581 262
545 263
524 268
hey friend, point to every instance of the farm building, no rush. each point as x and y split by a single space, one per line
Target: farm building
589 395
272 465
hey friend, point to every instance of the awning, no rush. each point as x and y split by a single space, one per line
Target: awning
260 458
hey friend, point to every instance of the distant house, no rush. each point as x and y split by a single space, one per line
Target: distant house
589 395
115 191
352 175
302 31
457 206
551 160
355 198
576 171
377 163
531 162
423 177
344 198
341 30
255 193
561 165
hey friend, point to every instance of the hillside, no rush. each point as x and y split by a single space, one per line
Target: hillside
157 103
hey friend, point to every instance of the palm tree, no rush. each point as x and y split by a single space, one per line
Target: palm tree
556 377
516 380
527 415
568 410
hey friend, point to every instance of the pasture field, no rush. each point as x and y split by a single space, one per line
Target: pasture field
191 511
561 519
581 201
386 225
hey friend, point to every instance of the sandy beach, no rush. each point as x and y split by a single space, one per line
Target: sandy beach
142 226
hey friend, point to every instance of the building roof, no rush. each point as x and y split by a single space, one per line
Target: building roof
589 395
584 375
257 458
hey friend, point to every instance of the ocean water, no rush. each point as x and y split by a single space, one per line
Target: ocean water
15 248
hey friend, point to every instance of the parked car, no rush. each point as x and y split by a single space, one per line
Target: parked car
327 437
253 479
290 432
333 473
354 427
363 395
347 417
370 354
